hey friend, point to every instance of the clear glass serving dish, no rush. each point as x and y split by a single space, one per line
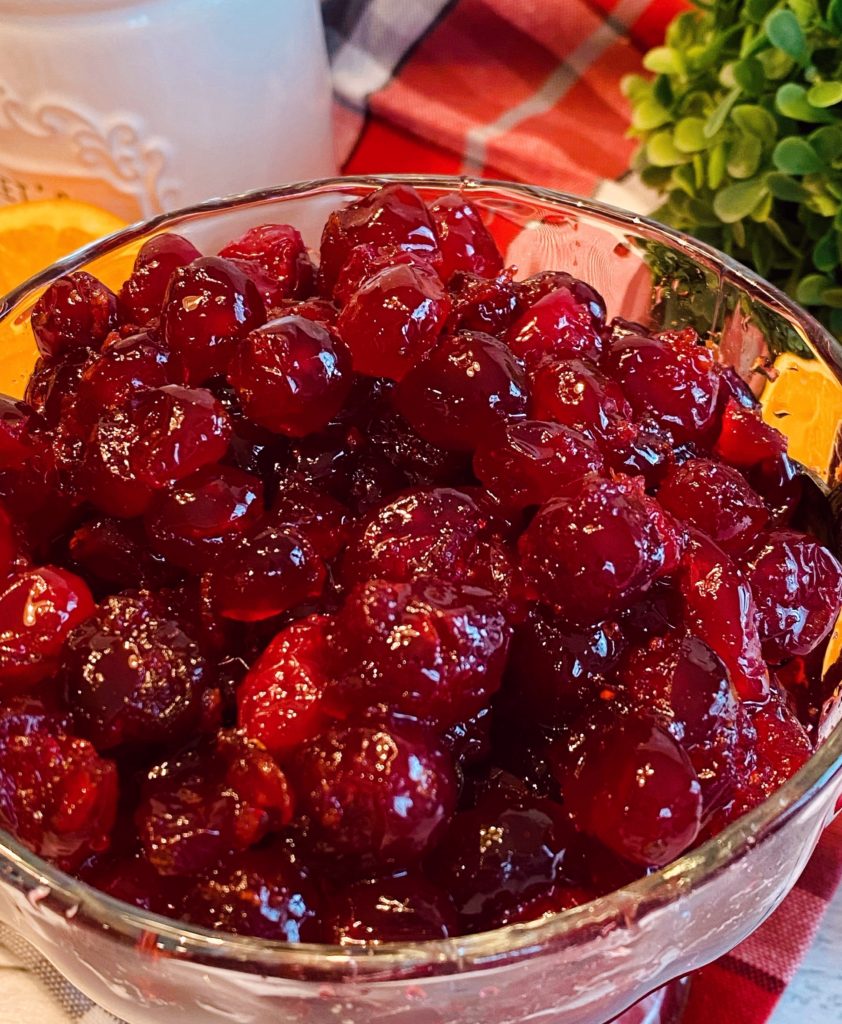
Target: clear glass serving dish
586 965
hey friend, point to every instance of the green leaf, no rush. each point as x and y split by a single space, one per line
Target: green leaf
649 115
783 187
662 91
811 288
761 255
827 142
744 157
689 135
832 297
737 201
776 231
763 211
664 60
634 87
749 117
826 252
783 31
776 64
661 151
716 166
749 76
791 101
719 116
796 156
834 15
756 10
825 94
684 178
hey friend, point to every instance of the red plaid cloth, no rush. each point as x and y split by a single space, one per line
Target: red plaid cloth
530 90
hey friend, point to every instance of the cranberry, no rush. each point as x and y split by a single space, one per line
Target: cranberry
412 456
364 261
281 699
394 320
401 908
17 421
780 483
468 386
264 893
715 499
11 553
292 375
57 795
593 552
322 311
132 676
481 303
132 879
464 240
75 312
142 296
532 461
270 572
426 649
209 305
199 519
797 588
210 802
392 215
745 439
534 288
320 519
124 367
556 325
374 792
575 393
51 389
469 742
277 249
114 554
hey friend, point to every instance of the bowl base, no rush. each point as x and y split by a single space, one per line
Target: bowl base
663 1006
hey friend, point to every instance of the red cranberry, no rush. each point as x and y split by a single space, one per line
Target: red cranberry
402 908
281 699
364 261
278 249
745 439
17 421
132 879
532 461
426 649
115 554
142 296
534 288
57 795
575 393
465 388
556 325
209 305
320 519
378 793
464 240
212 801
392 215
51 390
481 303
469 742
75 312
394 320
716 500
322 311
416 459
292 375
124 367
780 483
11 553
797 588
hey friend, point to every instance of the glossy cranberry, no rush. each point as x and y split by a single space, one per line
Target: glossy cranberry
427 649
281 699
642 448
76 312
575 393
715 499
124 367
393 320
132 676
469 742
263 893
797 588
487 304
210 802
719 608
531 461
132 879
534 288
417 460
745 439
366 260
51 389
200 519
210 304
115 554
323 521
38 608
17 421
392 215
675 384
629 784
292 375
468 386
780 483
142 295
556 325
377 793
323 311
278 249
593 552
401 908
11 544
464 240
270 572
57 795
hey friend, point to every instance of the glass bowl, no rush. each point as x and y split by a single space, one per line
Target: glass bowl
583 966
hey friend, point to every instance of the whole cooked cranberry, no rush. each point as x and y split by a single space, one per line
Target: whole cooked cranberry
76 312
51 389
486 304
556 325
209 305
469 385
132 676
400 908
469 742
797 588
212 801
675 384
115 554
38 608
715 499
366 260
17 421
465 242
575 393
394 319
781 484
530 290
269 572
124 367
642 448
376 792
281 699
322 520
279 250
719 608
629 784
593 552
392 215
418 460
745 439
531 461
142 295
498 860
57 795
292 375
200 518
263 893
131 878
427 649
